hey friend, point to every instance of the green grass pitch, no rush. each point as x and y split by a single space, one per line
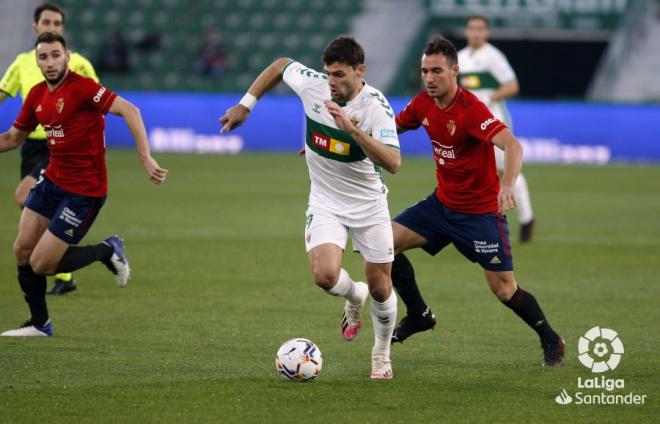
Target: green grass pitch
221 280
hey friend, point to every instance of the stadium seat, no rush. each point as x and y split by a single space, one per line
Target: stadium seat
253 32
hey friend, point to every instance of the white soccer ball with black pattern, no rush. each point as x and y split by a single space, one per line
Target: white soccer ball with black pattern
299 360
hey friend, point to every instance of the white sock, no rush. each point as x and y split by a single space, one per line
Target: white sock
521 193
345 287
383 316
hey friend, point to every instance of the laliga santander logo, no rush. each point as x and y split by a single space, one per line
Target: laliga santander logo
600 349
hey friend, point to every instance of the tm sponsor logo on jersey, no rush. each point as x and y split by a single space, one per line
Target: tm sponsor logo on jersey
324 142
98 96
443 152
600 350
487 122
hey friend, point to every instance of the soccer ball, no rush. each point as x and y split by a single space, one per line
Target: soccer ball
299 360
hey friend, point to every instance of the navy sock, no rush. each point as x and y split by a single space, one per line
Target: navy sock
77 257
527 308
34 291
403 279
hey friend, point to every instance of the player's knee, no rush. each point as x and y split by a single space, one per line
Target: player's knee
21 253
41 266
380 292
325 278
503 289
20 196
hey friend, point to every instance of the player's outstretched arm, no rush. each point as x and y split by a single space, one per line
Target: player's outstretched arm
12 139
133 118
513 152
379 153
266 81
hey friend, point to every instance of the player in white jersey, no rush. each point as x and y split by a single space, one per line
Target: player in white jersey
485 71
350 136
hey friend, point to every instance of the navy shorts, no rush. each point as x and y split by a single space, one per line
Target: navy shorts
482 238
71 215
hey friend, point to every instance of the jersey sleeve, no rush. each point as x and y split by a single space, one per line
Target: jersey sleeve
481 123
83 67
501 69
383 127
97 96
298 76
27 118
408 117
11 81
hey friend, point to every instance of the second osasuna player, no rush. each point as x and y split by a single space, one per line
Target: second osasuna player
20 77
70 192
466 208
485 71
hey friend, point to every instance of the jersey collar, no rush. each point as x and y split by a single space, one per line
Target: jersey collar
62 83
459 92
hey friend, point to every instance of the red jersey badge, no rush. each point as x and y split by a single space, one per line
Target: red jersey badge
451 127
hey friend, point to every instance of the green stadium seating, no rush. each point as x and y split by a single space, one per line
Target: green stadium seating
254 32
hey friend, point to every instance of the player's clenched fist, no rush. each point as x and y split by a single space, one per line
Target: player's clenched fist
233 117
156 174
505 199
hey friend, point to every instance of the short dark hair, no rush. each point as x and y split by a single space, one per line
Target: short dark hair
49 37
440 45
479 18
343 49
47 6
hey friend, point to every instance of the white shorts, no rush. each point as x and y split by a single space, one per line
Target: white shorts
372 237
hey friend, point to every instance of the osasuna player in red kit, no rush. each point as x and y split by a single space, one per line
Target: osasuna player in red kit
467 207
68 195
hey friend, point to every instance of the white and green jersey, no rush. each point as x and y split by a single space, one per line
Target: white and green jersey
484 70
344 180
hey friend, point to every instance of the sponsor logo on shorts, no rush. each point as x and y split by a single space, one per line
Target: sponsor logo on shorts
70 218
495 260
324 142
482 246
99 94
69 232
